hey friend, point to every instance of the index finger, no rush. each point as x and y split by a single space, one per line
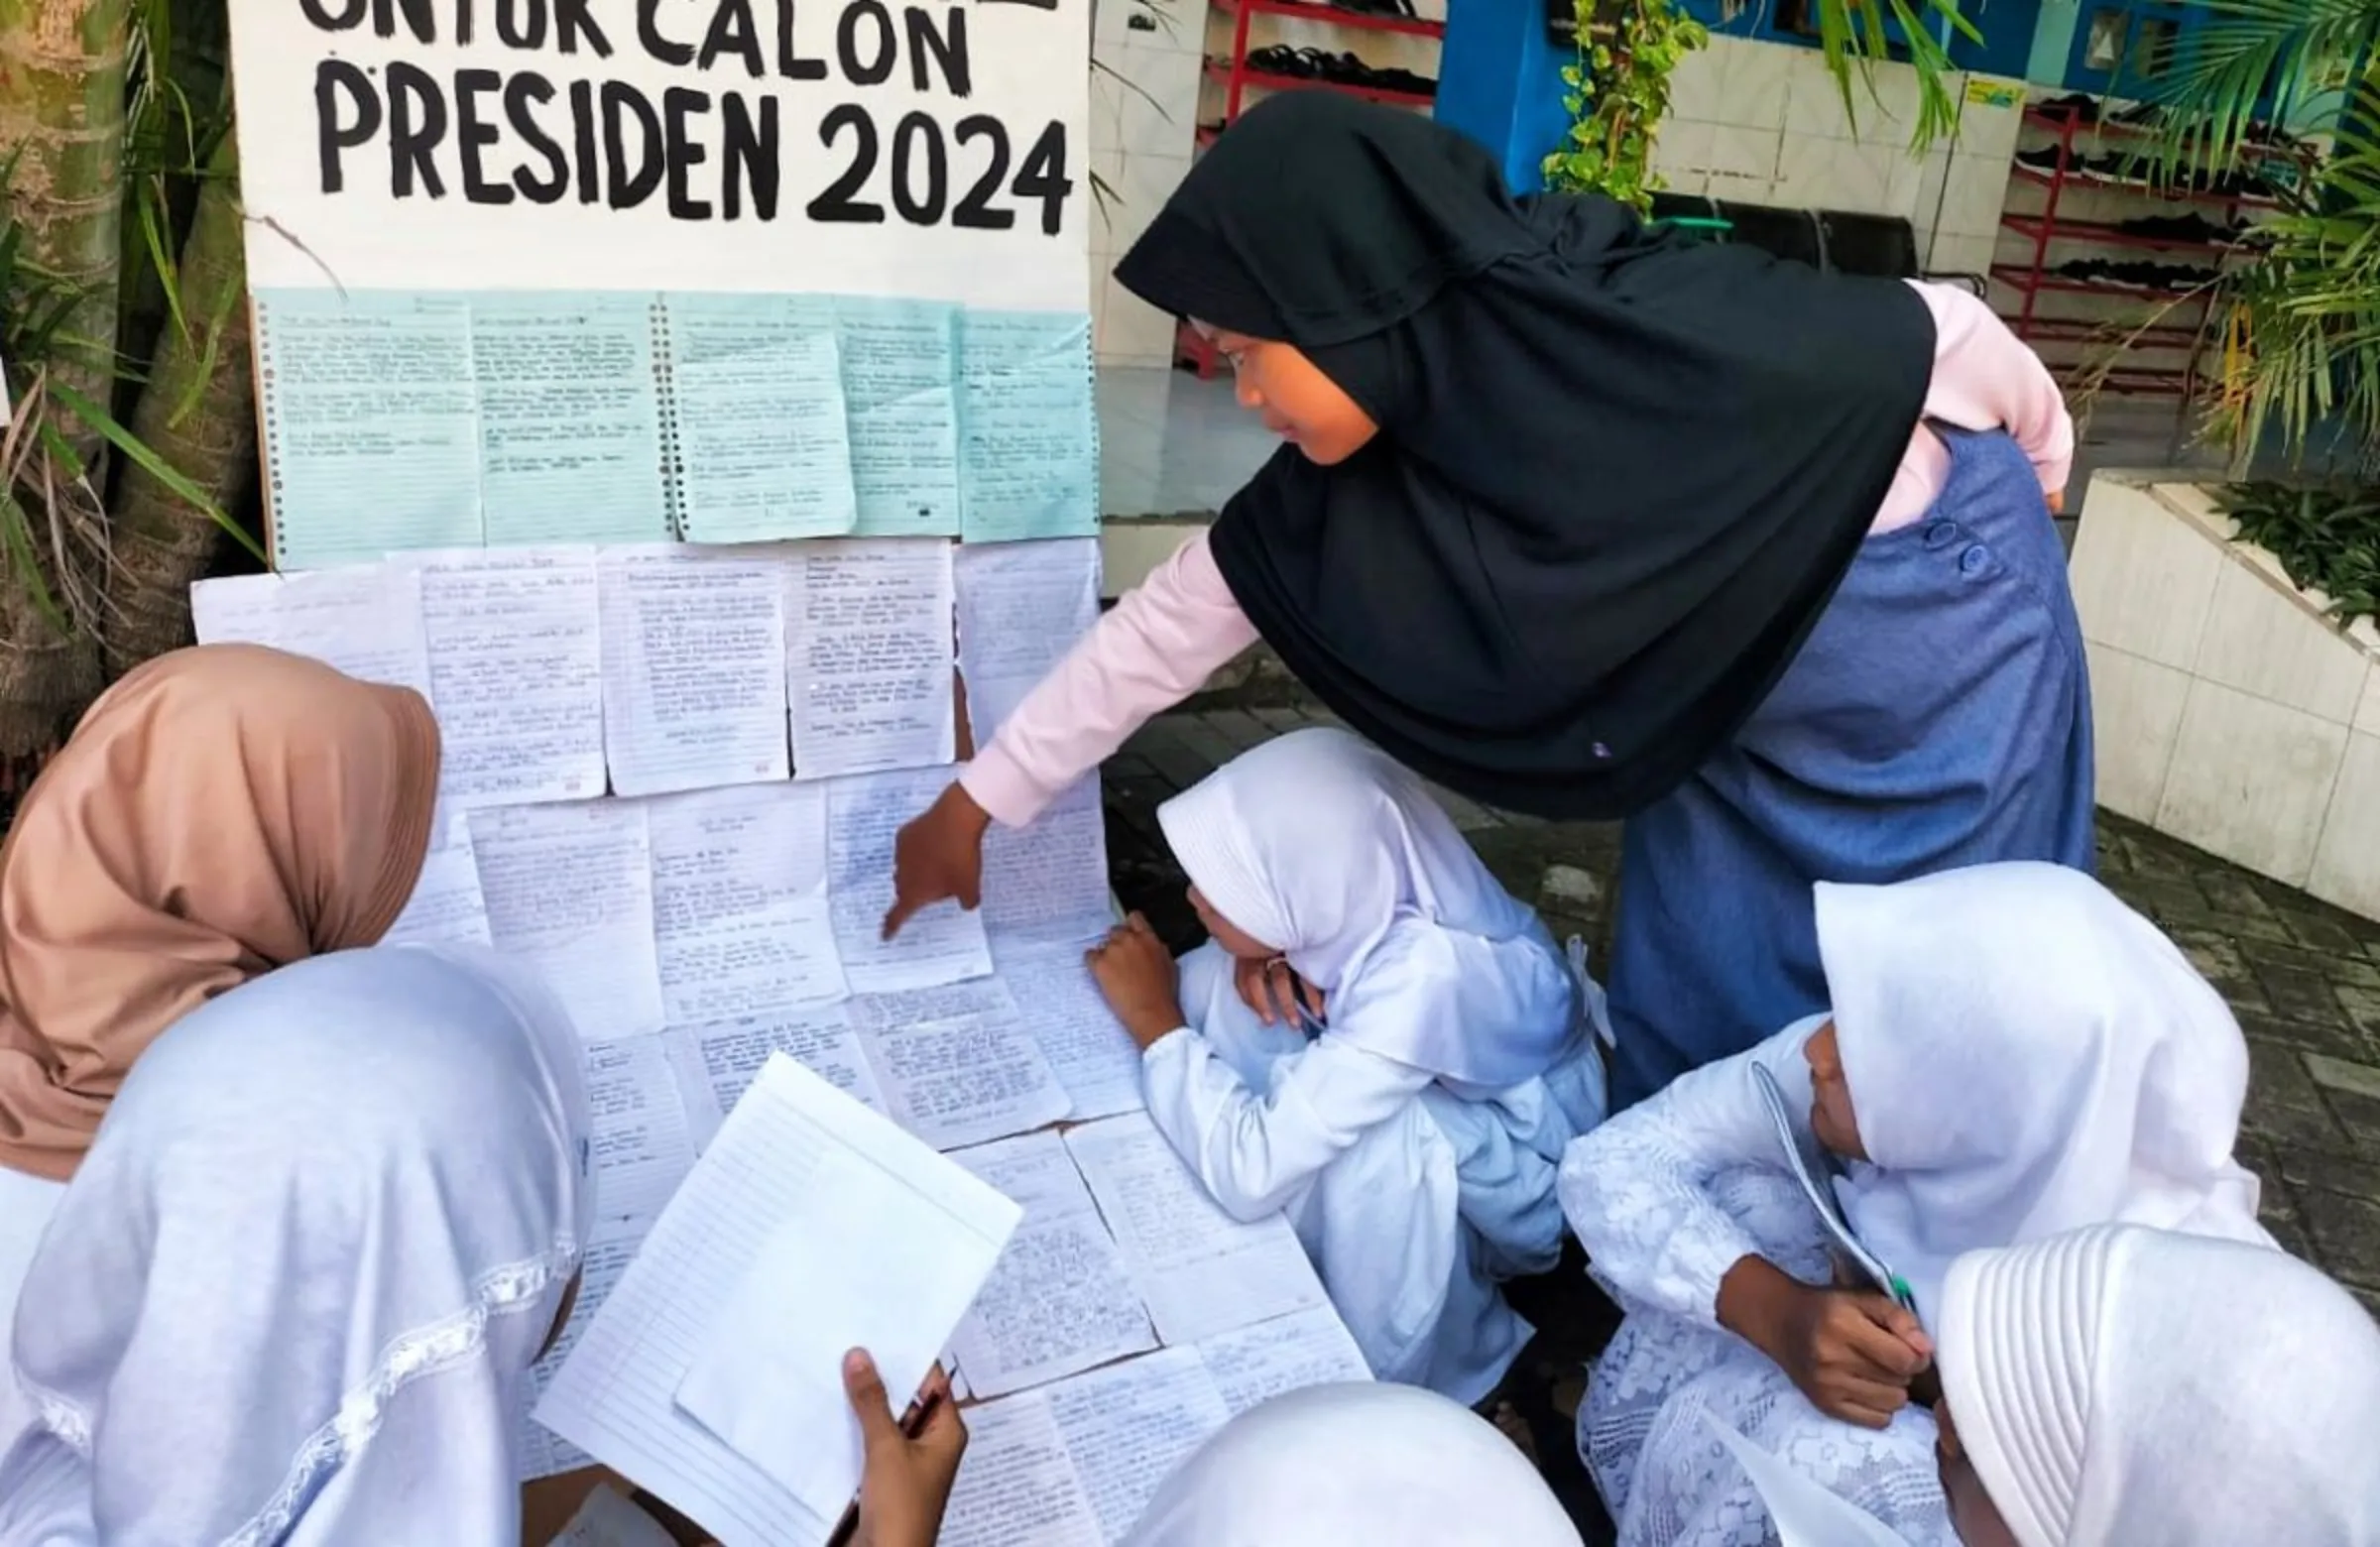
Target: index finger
897 915
1872 1336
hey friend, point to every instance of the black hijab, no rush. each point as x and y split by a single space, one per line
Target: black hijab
1617 477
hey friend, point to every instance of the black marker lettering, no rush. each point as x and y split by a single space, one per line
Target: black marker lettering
874 72
520 93
411 141
572 26
626 190
649 34
521 24
473 132
347 17
683 151
789 62
748 156
732 32
946 47
582 141
336 80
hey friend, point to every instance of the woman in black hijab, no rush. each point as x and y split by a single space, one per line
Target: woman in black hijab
1587 522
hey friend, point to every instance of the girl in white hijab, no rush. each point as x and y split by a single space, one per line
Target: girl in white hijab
1409 1110
2011 1053
294 1290
2119 1384
1347 1464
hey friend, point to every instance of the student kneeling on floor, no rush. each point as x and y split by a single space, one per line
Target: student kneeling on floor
1379 1040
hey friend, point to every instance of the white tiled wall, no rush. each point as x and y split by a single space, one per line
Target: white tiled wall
1764 123
2229 713
1143 111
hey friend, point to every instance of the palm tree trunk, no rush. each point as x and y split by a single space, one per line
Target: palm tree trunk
62 138
198 413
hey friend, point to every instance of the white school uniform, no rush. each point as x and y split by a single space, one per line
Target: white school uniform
2025 1054
1413 1141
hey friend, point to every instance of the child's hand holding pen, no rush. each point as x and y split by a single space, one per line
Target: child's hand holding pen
908 1465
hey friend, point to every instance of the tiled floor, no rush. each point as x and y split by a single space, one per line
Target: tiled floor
1170 444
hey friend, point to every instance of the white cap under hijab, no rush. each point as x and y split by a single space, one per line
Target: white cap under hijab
1366 1462
2144 1389
294 1292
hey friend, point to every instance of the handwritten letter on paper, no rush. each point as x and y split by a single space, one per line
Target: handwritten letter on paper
942 944
717 1063
739 910
363 619
869 666
901 381
570 417
1028 457
762 446
1021 607
694 670
569 888
956 1064
516 671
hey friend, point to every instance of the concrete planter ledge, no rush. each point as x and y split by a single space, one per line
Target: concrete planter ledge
2231 712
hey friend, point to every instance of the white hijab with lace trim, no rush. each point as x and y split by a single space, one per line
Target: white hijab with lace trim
294 1292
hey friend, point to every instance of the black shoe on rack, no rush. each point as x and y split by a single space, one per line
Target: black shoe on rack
2042 160
2079 106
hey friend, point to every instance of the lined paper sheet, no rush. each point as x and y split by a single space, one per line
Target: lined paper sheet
739 910
867 1238
543 1453
1060 1300
869 656
693 669
372 432
716 1063
1201 1271
516 668
763 440
570 417
1093 1057
899 388
956 1064
1021 606
1128 1425
365 618
639 1140
942 944
1016 1484
1287 1354
446 906
606 1518
569 888
1045 885
1028 434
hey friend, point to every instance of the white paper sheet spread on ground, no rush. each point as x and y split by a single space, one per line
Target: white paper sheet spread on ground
693 669
1017 1484
716 1063
1095 1058
1020 608
446 906
606 1518
1201 1271
1805 1513
1256 1363
1128 1425
943 944
1045 885
739 897
365 618
869 660
721 1391
1060 1300
544 1453
516 672
956 1064
640 1143
569 888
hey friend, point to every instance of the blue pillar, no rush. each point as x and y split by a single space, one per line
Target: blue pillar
1499 81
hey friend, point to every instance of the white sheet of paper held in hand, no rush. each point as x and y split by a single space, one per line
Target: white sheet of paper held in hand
1201 1271
869 660
1060 1301
693 669
942 944
570 887
363 619
713 1376
516 672
739 897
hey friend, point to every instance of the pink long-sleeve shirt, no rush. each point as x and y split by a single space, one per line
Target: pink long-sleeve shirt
1165 638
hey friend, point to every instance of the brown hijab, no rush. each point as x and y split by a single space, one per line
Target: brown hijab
219 812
